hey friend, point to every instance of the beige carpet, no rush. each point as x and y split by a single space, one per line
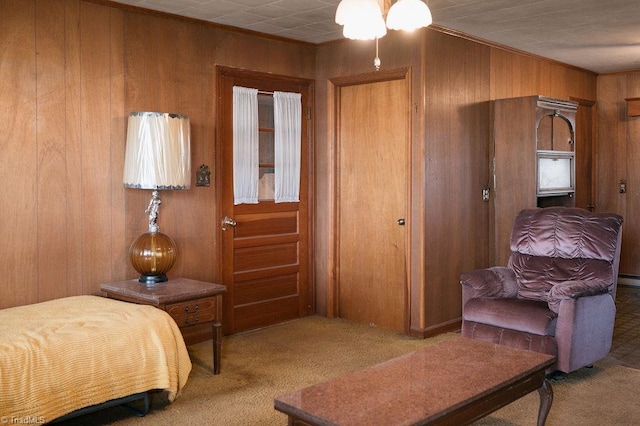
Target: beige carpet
260 365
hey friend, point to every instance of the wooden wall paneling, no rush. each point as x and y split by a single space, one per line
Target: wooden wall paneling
137 29
630 262
514 75
73 149
18 154
96 151
118 130
161 57
417 203
457 129
50 113
206 153
193 257
245 51
611 155
440 147
567 82
324 204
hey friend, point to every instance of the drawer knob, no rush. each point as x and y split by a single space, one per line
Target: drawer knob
195 308
195 320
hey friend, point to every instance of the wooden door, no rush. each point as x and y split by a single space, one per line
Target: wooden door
372 203
265 246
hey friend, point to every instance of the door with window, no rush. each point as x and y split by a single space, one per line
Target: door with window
265 244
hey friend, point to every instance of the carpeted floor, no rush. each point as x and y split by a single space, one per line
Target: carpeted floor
260 365
625 348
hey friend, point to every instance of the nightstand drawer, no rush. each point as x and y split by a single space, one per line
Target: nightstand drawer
193 312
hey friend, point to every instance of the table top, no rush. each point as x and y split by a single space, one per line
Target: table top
173 290
417 387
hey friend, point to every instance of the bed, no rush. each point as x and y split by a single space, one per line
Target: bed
63 355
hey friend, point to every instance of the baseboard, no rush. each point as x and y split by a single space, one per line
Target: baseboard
445 327
629 280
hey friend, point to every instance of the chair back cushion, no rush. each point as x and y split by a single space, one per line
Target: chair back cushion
557 244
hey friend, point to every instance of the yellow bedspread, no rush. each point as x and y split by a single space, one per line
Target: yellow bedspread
70 353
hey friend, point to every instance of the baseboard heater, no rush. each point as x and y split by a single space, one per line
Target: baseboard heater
112 403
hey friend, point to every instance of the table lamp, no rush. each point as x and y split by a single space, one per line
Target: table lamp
157 157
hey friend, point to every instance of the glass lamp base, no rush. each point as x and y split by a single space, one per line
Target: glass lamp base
152 255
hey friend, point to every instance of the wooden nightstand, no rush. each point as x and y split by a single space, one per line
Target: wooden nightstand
196 307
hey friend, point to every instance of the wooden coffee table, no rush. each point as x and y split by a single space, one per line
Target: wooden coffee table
455 382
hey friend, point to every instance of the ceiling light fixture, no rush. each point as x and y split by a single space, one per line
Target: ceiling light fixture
363 19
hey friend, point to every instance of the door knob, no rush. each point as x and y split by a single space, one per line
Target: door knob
227 221
401 221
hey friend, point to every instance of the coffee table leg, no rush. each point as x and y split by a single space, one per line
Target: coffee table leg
217 346
546 398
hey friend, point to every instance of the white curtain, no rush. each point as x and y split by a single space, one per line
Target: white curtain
245 145
287 116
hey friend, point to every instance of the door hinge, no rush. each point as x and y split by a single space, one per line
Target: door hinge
308 112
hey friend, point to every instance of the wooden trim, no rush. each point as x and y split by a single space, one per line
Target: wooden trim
633 107
445 327
379 76
583 102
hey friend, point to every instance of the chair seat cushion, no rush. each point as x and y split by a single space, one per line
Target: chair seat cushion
529 316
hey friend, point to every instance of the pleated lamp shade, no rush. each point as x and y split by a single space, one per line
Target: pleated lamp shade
158 154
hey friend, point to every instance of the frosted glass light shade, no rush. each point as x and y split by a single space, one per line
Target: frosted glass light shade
409 15
158 152
362 19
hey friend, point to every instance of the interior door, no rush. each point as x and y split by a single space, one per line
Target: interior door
265 246
372 206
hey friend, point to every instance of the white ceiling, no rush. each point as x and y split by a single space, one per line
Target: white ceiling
598 35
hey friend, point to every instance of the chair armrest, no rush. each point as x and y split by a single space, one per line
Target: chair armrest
498 281
574 290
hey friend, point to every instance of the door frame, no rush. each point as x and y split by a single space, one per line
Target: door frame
333 97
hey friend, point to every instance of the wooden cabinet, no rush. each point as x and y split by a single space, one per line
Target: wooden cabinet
528 132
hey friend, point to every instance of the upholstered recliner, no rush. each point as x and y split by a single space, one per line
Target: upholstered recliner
556 295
